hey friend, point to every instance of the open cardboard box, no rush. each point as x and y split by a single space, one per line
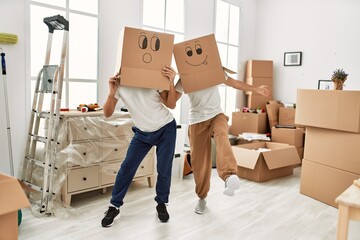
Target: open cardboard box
263 166
12 199
199 64
144 54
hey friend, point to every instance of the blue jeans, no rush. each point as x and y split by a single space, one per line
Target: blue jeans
164 140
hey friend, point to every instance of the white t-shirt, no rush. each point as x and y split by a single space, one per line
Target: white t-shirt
145 107
205 103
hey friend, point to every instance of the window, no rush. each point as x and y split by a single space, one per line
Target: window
227 37
166 16
80 82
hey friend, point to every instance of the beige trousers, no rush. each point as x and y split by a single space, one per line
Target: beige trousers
200 135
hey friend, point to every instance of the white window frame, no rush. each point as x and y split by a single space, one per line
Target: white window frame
228 102
66 79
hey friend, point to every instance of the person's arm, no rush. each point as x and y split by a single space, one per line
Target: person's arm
111 101
240 85
170 97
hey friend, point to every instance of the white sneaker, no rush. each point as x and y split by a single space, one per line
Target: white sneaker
232 183
200 206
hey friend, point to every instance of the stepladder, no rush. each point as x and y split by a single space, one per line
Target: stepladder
38 170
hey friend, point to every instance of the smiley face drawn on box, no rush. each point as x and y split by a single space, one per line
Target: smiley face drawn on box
198 62
144 54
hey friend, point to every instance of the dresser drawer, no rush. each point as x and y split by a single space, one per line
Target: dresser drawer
109 172
83 178
83 128
114 149
117 128
81 154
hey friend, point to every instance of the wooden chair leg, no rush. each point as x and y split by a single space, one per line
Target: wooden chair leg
343 222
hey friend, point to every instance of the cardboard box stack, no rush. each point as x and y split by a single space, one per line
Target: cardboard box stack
331 154
283 127
259 72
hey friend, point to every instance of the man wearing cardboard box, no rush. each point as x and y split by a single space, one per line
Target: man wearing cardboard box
200 70
148 53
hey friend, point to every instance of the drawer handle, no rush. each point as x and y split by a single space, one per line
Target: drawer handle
84 178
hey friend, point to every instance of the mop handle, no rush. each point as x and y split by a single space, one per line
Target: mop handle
3 66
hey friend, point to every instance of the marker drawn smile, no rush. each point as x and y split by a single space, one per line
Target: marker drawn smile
195 65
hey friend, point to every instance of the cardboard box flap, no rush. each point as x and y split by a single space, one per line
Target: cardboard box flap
281 157
228 70
248 158
12 197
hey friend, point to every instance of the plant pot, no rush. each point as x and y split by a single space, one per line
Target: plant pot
338 84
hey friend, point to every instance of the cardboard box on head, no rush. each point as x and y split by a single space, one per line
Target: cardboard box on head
144 54
199 64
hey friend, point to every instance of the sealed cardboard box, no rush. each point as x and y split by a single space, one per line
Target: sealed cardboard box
331 109
144 54
199 64
248 122
324 183
12 199
259 68
261 166
294 137
287 116
257 82
333 148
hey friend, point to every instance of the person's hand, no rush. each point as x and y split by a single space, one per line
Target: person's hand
114 83
263 90
169 72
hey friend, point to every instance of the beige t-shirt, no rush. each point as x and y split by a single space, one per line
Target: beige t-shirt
145 107
205 103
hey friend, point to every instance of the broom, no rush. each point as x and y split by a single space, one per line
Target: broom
8 38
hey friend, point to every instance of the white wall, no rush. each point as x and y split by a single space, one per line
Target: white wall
113 16
326 31
12 20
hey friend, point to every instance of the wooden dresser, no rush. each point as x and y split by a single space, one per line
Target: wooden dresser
91 150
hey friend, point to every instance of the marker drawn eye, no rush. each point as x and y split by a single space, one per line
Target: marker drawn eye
155 43
142 41
198 49
189 51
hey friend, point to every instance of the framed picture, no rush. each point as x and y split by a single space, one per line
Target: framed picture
292 58
325 85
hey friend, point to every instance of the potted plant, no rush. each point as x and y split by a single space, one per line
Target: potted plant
339 76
